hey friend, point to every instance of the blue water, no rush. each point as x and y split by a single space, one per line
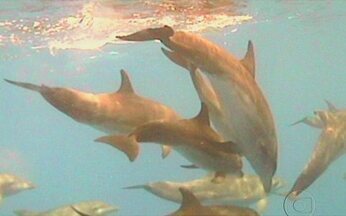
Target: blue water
300 52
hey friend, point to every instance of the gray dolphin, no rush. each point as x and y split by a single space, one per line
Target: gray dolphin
244 191
247 113
330 146
11 185
193 138
116 112
92 208
191 206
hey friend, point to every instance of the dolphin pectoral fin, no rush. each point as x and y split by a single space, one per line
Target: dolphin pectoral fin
249 60
161 33
166 150
25 85
326 151
219 177
126 144
192 166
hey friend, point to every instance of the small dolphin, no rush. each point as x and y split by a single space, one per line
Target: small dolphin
233 190
191 206
193 138
10 185
116 112
249 120
315 121
92 208
331 145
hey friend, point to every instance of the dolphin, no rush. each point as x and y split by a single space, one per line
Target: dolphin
244 191
116 112
11 185
191 206
92 208
193 138
330 146
250 122
315 121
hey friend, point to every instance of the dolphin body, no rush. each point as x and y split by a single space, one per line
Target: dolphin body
330 146
244 191
191 206
113 113
93 208
11 185
248 116
193 138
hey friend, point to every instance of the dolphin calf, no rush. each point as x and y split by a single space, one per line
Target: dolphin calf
11 184
193 138
92 208
330 146
249 120
244 191
190 206
113 113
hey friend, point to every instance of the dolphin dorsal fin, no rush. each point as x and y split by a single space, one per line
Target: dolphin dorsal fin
249 59
331 107
189 199
126 85
203 115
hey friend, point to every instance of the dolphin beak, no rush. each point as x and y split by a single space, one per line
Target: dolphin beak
30 186
109 209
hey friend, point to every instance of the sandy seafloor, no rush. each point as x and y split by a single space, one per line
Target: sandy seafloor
300 53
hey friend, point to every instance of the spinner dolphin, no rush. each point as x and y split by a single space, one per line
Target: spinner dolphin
11 185
330 146
116 112
247 113
244 191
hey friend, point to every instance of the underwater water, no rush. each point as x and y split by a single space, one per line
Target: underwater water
300 59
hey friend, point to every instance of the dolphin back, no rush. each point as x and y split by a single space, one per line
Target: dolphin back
26 213
25 85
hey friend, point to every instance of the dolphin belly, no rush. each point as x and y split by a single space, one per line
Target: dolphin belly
244 125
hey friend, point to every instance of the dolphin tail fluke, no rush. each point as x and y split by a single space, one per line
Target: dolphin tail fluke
126 144
161 33
25 213
25 85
